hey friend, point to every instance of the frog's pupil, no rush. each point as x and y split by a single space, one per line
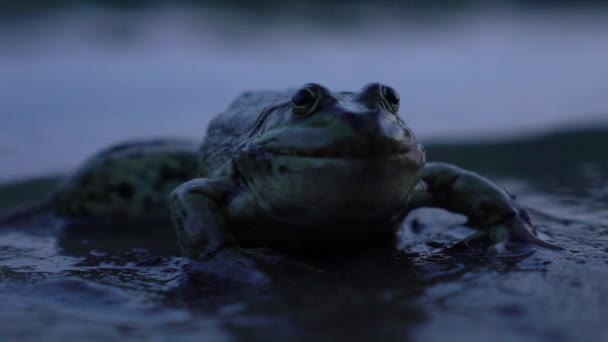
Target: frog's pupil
303 97
392 96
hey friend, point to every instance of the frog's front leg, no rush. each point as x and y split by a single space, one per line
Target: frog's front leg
198 216
490 209
201 210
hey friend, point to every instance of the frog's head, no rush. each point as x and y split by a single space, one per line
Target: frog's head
323 157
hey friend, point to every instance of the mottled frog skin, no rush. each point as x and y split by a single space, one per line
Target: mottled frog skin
127 183
298 167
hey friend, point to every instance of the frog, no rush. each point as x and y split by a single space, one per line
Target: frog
286 169
311 167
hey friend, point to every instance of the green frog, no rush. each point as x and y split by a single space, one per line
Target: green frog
299 167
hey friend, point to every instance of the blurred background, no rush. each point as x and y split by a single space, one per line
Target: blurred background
76 76
483 84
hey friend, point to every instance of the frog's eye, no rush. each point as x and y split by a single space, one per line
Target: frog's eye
305 101
390 99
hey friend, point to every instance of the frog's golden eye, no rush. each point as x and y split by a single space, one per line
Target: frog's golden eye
390 99
305 101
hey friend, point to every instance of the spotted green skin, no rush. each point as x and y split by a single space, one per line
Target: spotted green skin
346 173
127 183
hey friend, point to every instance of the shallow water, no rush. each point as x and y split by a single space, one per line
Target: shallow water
82 283
75 81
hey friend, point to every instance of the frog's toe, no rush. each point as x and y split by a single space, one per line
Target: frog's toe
519 230
505 237
475 244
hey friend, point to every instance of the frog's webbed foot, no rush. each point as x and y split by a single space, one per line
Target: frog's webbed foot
499 220
504 236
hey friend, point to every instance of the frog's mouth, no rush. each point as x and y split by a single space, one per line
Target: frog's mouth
318 186
256 161
346 150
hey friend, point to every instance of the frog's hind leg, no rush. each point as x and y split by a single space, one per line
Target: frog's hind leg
123 184
491 210
127 182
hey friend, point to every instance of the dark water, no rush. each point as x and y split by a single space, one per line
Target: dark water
58 283
73 81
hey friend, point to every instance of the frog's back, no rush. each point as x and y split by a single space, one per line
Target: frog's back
235 125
